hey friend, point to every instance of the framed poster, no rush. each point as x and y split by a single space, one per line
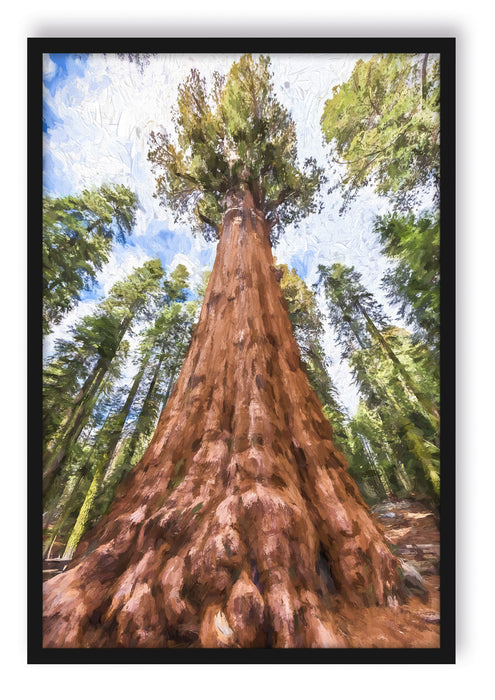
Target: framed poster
242 275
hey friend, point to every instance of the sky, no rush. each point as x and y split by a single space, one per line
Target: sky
98 113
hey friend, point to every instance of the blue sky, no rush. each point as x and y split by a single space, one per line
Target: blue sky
98 113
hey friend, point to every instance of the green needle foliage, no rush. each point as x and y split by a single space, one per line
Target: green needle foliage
124 417
349 306
384 126
413 244
162 351
403 442
95 342
412 357
78 235
164 345
396 379
358 317
232 136
307 325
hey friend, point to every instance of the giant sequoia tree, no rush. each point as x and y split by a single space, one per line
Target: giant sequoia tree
223 534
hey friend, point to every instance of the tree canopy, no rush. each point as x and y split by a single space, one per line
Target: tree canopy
348 304
96 340
232 136
384 124
413 282
78 234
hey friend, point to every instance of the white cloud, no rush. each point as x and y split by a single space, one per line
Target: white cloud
193 266
49 67
121 263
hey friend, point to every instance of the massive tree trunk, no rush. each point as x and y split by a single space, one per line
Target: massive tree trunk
224 533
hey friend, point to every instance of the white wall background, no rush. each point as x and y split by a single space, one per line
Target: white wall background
470 23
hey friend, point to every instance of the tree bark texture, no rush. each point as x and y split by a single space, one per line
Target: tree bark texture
225 532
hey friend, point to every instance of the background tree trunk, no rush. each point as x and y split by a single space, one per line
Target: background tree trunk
410 384
220 535
72 425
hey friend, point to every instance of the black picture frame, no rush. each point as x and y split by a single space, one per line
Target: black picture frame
445 46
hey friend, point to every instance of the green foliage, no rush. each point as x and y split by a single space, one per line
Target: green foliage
308 330
159 357
78 234
96 337
62 376
403 449
120 419
131 298
358 317
414 282
167 342
369 461
175 285
232 137
397 430
373 361
92 352
384 126
348 303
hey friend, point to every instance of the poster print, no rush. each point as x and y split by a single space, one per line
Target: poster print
240 315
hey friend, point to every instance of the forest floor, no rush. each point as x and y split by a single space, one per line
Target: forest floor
412 530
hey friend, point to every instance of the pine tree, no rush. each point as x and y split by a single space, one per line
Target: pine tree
61 508
412 439
307 324
395 378
170 335
366 464
78 235
413 244
359 319
98 338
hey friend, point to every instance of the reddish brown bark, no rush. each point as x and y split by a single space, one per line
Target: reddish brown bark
219 536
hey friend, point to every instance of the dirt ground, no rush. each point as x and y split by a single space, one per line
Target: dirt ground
412 530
